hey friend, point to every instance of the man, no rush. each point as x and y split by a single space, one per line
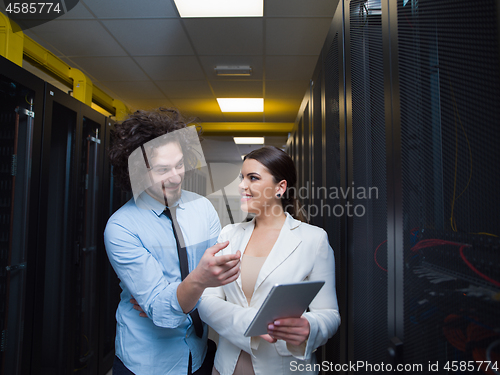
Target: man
150 154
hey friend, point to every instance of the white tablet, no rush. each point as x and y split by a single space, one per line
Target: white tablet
283 301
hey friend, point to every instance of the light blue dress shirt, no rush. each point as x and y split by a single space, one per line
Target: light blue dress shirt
142 250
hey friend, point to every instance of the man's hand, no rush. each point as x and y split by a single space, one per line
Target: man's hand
138 307
211 271
294 331
216 271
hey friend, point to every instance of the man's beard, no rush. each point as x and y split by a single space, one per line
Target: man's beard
172 197
167 197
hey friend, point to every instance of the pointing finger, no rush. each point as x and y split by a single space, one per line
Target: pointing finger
217 247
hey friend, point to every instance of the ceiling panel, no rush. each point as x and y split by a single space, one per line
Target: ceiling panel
282 110
110 68
145 55
278 105
79 12
286 89
283 116
226 36
185 89
206 110
296 36
300 8
131 8
149 104
171 68
238 89
150 37
93 39
221 148
127 91
290 68
210 62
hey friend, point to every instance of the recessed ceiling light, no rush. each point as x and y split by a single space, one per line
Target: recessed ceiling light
220 8
241 104
249 140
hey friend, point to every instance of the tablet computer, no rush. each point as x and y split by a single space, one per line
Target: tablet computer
283 301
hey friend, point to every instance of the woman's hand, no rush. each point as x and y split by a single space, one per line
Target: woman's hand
294 331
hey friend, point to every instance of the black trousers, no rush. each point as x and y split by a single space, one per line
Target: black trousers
206 368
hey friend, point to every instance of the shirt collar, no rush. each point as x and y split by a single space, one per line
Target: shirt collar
147 202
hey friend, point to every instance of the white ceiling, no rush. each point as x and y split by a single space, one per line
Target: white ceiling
143 53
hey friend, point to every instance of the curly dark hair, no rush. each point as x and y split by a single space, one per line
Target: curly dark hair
139 128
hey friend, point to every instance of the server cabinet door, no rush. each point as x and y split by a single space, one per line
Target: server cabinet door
334 172
16 144
109 291
54 333
449 87
365 191
89 237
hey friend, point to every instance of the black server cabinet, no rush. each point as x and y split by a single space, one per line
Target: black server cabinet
90 245
365 191
316 147
299 162
54 335
21 109
66 332
448 59
406 95
109 288
303 159
306 156
333 164
58 292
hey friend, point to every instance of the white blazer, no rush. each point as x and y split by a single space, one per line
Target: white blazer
301 252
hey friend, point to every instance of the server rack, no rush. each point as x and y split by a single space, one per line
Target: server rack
366 207
58 293
109 289
53 338
448 58
21 109
405 92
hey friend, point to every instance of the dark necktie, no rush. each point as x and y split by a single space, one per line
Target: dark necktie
183 261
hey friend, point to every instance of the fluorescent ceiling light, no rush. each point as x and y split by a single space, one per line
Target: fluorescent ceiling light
233 70
241 104
220 8
249 140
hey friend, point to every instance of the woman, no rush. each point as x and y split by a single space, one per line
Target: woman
277 248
